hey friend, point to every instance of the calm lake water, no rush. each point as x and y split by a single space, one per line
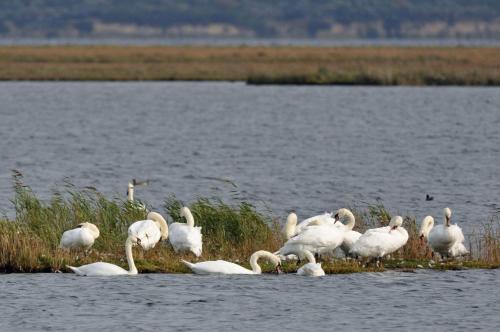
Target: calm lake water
285 147
391 301
306 148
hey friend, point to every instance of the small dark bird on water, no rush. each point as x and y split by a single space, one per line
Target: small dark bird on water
429 198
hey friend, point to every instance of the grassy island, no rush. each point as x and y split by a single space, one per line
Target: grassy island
417 66
231 232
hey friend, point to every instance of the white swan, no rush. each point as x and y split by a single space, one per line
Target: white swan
224 267
447 239
350 236
185 236
107 269
312 268
83 236
378 242
150 231
318 239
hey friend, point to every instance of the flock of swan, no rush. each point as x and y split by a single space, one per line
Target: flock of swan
313 237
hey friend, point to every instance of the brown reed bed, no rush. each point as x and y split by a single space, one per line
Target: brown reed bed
29 243
255 65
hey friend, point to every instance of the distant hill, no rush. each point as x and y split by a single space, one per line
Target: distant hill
252 18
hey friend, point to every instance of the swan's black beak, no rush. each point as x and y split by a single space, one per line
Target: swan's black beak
337 218
421 237
278 269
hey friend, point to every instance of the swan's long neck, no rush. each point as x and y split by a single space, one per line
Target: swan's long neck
427 225
189 217
350 219
257 255
160 222
309 256
290 225
130 192
130 259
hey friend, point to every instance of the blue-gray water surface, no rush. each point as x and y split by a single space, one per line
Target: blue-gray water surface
312 149
390 301
305 148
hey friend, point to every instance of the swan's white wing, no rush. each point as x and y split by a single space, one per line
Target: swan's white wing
219 267
322 219
311 269
147 232
98 269
76 238
185 238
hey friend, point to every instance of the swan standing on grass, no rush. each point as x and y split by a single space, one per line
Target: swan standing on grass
186 237
446 239
224 267
350 236
150 231
317 238
378 242
107 269
312 268
83 236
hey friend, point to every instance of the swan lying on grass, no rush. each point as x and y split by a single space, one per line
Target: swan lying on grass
150 231
312 268
447 239
83 236
107 269
224 267
186 237
377 242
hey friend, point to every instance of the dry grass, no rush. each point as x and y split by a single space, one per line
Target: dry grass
257 65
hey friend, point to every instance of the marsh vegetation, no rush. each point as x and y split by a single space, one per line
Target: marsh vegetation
29 243
255 65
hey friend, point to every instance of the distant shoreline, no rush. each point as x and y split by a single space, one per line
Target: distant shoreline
301 65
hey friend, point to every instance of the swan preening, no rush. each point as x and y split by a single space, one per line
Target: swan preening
224 267
150 231
316 234
311 268
378 242
185 236
446 239
108 269
83 236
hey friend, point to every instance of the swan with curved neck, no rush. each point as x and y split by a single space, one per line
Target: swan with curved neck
350 236
185 236
83 236
224 267
107 269
446 239
378 242
150 231
312 268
